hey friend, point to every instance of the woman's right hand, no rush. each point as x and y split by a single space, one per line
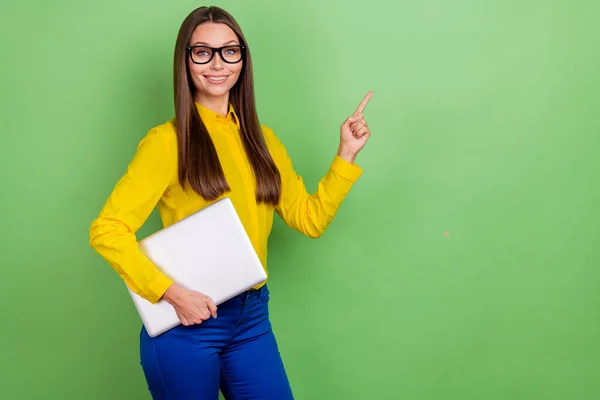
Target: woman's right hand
191 307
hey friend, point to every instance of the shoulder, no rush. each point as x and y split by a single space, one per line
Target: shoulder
162 138
267 132
273 142
277 150
166 131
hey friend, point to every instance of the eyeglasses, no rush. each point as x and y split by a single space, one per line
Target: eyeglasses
230 54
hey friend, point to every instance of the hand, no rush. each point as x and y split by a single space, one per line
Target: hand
191 307
354 132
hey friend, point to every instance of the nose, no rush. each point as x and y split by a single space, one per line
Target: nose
216 62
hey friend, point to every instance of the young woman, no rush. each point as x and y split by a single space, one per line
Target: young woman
216 147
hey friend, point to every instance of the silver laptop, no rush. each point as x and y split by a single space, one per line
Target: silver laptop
209 252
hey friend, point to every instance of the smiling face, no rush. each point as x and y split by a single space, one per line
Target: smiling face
214 80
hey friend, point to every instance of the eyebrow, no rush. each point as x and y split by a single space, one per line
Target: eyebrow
206 44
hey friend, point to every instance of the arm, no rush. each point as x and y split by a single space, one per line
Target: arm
310 214
112 234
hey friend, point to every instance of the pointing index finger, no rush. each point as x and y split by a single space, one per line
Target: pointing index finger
363 103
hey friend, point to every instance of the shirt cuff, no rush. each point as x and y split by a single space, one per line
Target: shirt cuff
158 287
350 172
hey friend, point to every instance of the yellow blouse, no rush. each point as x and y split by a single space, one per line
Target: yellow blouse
151 180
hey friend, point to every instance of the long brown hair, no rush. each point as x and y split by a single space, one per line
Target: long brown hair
199 165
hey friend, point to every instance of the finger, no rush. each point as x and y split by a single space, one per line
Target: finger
205 314
350 120
363 103
358 125
182 318
358 130
357 119
362 132
213 308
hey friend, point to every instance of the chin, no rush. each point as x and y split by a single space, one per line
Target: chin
218 91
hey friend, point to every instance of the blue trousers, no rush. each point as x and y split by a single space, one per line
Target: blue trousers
236 353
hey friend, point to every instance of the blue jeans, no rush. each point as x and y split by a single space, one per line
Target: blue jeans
236 353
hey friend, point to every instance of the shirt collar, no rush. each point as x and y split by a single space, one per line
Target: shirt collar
209 115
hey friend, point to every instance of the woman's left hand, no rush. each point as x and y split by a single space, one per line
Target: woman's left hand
354 132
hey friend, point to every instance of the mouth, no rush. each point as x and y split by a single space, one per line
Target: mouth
215 79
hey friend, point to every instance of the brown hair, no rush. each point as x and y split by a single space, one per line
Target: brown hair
199 165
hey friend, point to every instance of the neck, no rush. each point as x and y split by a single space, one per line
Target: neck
219 105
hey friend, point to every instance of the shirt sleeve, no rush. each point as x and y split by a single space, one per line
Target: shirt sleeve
112 234
310 214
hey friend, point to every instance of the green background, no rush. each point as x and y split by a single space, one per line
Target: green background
463 265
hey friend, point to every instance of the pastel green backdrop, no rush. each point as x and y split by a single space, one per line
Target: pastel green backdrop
463 265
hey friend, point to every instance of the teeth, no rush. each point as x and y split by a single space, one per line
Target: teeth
216 79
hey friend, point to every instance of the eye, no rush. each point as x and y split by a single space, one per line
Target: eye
202 52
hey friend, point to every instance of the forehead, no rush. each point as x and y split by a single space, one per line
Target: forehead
212 34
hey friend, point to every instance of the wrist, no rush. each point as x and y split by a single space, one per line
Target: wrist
172 294
346 154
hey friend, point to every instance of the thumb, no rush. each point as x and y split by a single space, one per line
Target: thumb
213 308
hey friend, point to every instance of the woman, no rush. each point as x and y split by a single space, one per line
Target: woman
216 147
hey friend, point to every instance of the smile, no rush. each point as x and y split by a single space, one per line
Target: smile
215 79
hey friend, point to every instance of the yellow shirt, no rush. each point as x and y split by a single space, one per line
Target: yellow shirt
151 179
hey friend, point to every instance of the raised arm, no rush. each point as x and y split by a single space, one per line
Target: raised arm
308 213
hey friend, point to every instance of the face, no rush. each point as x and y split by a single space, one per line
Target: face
214 79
